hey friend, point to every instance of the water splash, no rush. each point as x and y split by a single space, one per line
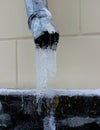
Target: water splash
45 65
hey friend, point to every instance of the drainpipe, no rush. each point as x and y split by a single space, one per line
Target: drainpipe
40 23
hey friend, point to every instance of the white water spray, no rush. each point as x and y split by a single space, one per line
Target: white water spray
45 65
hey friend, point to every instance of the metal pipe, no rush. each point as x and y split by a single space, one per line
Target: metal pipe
41 25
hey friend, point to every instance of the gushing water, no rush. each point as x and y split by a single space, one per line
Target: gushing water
51 66
41 67
45 65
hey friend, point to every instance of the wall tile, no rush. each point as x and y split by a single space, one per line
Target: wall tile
66 15
78 63
7 64
13 19
26 64
90 16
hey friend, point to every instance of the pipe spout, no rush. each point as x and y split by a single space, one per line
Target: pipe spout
41 24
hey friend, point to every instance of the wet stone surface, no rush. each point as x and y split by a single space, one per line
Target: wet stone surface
18 112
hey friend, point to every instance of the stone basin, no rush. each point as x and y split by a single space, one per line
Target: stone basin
28 109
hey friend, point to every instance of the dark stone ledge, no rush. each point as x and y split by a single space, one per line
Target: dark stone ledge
25 111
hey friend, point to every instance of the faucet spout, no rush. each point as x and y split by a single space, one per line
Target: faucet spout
40 23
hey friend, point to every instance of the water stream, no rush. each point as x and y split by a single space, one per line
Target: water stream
45 66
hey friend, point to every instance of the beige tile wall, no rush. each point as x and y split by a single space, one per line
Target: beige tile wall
13 20
26 63
78 54
65 15
8 63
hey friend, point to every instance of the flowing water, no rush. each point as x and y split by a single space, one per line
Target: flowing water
45 66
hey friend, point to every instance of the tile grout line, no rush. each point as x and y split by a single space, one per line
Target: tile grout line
80 20
70 35
16 64
15 38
